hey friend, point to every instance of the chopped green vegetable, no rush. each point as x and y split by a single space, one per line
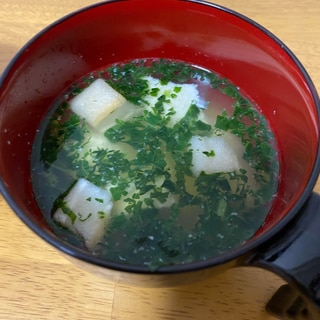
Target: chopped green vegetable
210 153
166 215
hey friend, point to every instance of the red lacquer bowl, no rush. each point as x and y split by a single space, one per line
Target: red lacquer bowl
208 36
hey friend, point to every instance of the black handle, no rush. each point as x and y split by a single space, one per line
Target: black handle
295 256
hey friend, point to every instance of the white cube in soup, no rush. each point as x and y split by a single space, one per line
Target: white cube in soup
179 96
96 102
91 207
212 154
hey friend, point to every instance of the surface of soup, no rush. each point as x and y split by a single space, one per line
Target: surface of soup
154 162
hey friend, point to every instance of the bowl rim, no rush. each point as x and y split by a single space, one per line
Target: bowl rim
231 255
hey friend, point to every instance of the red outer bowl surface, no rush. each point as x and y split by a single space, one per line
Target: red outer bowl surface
200 33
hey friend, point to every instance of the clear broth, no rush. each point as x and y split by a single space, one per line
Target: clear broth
226 209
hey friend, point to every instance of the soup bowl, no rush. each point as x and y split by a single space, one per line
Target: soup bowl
220 40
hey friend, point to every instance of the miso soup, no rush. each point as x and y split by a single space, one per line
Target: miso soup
155 162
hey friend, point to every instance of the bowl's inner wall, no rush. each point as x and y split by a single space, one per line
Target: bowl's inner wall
121 30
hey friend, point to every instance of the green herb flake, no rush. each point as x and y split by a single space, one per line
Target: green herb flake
177 89
210 153
154 92
85 218
101 214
